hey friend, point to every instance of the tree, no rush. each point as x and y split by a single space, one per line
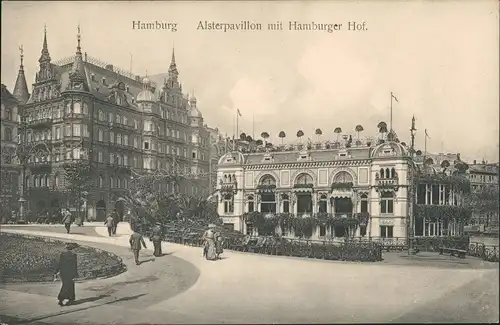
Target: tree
445 164
358 129
7 194
282 135
265 136
382 128
300 134
79 181
243 137
338 131
318 133
249 139
259 142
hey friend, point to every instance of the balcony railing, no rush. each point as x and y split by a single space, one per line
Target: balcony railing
387 181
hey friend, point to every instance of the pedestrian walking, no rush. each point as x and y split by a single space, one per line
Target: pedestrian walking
156 239
135 241
115 220
67 220
109 223
67 269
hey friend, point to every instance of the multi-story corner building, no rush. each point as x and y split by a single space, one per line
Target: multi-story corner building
344 181
483 175
9 140
84 108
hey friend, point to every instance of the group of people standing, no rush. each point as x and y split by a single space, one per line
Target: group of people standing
213 243
111 222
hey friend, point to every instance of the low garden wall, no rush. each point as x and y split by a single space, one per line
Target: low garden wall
26 258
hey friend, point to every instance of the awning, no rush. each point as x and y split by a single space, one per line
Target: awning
338 193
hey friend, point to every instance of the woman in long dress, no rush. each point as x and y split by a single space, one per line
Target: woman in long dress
209 246
218 244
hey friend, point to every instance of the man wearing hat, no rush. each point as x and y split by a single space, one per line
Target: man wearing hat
68 271
156 239
135 241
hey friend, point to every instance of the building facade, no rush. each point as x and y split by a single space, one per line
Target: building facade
85 109
343 181
10 170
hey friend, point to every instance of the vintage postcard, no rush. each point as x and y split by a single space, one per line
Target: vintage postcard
237 162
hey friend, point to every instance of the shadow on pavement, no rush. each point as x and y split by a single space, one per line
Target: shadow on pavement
64 312
89 299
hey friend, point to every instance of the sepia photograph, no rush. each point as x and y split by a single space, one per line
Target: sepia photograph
249 162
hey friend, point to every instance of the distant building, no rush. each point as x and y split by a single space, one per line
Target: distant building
86 109
481 176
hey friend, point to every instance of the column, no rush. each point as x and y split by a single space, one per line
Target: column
257 202
278 201
314 198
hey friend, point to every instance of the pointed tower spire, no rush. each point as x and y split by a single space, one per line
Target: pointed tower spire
77 73
21 87
45 57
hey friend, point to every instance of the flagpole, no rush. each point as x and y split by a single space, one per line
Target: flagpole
425 145
237 125
390 122
253 125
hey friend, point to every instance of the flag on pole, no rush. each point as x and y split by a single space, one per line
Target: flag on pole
394 98
427 134
239 113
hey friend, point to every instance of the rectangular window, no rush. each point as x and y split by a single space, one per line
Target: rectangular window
322 231
386 231
146 145
125 140
364 206
67 130
249 229
76 130
58 133
386 205
286 207
111 137
250 206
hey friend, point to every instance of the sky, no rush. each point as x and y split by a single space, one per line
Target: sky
440 60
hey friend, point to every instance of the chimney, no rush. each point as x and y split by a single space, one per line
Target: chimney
474 161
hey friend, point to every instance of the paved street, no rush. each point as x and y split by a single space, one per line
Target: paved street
245 288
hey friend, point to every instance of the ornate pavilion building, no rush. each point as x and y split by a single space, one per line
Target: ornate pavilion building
84 109
341 188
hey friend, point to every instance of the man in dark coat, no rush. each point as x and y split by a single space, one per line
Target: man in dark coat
116 218
68 270
156 239
67 220
135 241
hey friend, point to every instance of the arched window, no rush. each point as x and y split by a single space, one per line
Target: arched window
304 179
77 108
8 114
119 159
382 173
393 173
125 160
38 181
267 194
125 120
387 202
125 183
118 182
251 203
111 182
56 180
101 135
286 203
100 181
343 177
8 134
99 157
323 200
47 181
118 119
364 203
118 138
101 116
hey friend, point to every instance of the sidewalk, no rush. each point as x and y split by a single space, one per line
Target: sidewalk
246 288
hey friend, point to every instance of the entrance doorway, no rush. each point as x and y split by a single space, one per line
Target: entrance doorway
343 207
100 210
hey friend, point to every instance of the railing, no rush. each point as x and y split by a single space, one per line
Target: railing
433 244
387 181
328 250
